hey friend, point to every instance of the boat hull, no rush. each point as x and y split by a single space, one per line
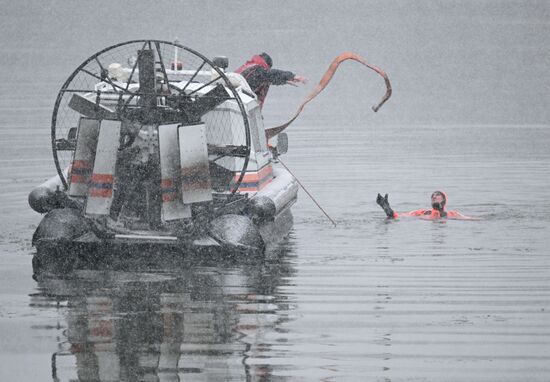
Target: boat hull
66 234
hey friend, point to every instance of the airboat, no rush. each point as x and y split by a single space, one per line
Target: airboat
154 143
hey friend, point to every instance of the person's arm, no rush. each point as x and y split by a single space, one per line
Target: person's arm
297 79
281 77
390 213
458 216
258 76
383 202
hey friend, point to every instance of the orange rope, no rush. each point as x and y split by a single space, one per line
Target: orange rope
271 132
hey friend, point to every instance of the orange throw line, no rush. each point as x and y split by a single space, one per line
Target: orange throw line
271 132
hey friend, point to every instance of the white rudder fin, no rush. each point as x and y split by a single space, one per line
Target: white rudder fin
100 192
84 156
173 207
195 173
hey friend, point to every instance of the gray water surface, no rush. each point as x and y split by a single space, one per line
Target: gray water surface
369 299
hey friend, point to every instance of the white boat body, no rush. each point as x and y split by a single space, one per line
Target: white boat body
270 190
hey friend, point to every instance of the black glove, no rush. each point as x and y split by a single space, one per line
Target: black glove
383 202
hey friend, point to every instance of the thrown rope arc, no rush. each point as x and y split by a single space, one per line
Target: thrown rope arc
273 131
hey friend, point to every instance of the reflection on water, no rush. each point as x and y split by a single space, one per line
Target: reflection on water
178 320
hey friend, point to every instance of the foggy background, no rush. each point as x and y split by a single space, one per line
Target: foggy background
450 62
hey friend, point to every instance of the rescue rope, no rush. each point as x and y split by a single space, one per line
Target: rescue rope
271 132
306 191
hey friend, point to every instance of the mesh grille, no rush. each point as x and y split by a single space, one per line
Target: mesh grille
110 78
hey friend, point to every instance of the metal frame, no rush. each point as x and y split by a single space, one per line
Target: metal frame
157 43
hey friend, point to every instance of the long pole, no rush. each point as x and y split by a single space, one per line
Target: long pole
307 192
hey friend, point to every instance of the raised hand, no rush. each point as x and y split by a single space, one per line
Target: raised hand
298 79
385 204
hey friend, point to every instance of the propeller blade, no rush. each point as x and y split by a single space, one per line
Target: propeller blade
147 80
88 108
209 101
191 110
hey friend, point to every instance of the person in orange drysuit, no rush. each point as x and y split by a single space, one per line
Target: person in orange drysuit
438 201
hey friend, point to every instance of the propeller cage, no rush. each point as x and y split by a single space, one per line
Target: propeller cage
159 129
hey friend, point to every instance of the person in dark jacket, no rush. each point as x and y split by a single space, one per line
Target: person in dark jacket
438 211
259 74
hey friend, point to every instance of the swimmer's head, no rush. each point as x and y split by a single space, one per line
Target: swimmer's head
439 199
